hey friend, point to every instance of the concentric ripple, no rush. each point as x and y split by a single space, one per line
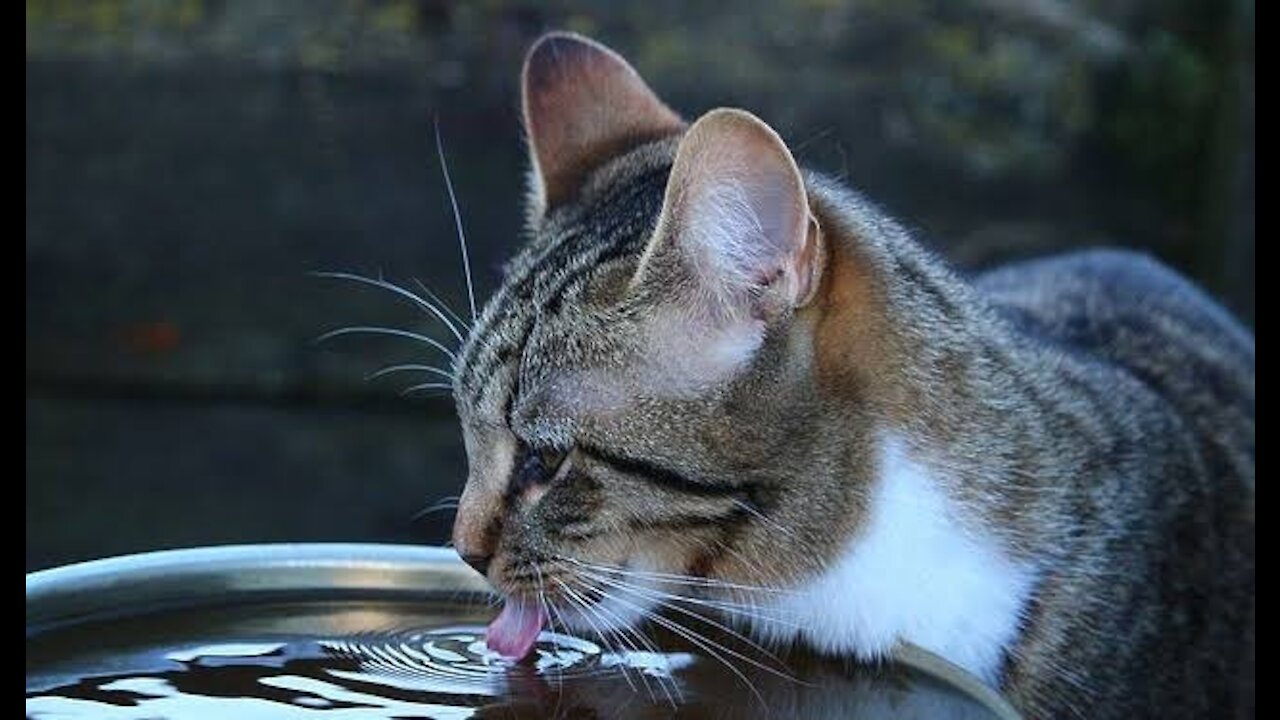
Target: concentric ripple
459 656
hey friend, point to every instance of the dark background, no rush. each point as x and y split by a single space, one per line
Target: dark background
190 161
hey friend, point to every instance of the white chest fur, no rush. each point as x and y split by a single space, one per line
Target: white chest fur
913 574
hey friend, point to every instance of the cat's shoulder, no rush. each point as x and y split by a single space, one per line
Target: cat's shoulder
1108 291
1128 310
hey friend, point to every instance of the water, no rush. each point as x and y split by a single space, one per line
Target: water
358 661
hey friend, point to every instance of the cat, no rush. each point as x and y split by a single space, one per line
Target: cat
712 374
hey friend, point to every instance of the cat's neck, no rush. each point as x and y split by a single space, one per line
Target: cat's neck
997 417
956 529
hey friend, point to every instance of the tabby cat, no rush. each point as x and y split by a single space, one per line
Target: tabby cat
711 368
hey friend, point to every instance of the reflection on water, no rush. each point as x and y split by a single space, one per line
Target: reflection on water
204 667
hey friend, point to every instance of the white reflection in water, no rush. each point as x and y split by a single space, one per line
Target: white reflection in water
225 650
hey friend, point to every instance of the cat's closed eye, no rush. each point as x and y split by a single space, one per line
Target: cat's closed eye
539 466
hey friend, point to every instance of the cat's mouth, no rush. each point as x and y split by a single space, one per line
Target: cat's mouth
568 602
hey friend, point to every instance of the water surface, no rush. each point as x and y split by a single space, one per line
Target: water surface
358 661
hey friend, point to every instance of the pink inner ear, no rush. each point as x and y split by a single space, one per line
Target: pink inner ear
729 254
583 104
738 208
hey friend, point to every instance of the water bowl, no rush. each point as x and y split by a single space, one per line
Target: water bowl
355 631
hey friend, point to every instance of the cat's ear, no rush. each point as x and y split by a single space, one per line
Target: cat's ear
735 247
736 216
583 104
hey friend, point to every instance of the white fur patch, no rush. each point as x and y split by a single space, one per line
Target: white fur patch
912 574
687 353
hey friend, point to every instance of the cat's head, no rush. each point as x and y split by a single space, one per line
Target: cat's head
644 393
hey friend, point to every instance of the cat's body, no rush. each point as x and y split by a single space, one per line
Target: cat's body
1094 412
708 364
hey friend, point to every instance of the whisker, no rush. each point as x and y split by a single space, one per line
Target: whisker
719 626
409 367
623 644
676 579
733 608
706 644
544 605
457 220
435 508
425 386
395 332
760 516
552 614
587 615
443 305
650 647
448 503
385 285
666 683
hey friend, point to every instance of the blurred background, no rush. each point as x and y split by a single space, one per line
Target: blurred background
189 162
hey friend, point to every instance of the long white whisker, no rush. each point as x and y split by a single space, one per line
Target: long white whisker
457 220
760 516
447 499
732 608
704 619
678 579
443 305
396 332
399 291
544 605
648 645
409 367
448 504
656 597
706 644
588 616
623 644
425 386
621 576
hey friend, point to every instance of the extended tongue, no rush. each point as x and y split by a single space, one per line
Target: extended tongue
513 633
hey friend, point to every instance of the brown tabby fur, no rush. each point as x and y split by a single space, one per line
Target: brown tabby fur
1094 413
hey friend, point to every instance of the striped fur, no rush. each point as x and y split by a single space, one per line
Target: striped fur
1087 419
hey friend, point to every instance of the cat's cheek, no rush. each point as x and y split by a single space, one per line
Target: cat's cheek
732 349
667 553
533 494
687 356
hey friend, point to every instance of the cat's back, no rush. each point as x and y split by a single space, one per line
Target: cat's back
1128 309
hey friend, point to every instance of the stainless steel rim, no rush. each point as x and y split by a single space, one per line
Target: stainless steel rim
238 573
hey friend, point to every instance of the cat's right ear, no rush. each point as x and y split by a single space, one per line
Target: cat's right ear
582 104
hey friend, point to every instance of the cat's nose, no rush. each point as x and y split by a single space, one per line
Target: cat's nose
477 526
479 562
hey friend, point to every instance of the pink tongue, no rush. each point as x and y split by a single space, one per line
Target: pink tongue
513 633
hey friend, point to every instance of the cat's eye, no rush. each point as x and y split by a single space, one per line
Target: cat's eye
539 465
552 459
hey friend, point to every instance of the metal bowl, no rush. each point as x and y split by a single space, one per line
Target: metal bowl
117 625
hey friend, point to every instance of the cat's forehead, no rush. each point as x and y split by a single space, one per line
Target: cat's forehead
555 311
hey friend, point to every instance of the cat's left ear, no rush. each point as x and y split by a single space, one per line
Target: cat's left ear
736 218
735 249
